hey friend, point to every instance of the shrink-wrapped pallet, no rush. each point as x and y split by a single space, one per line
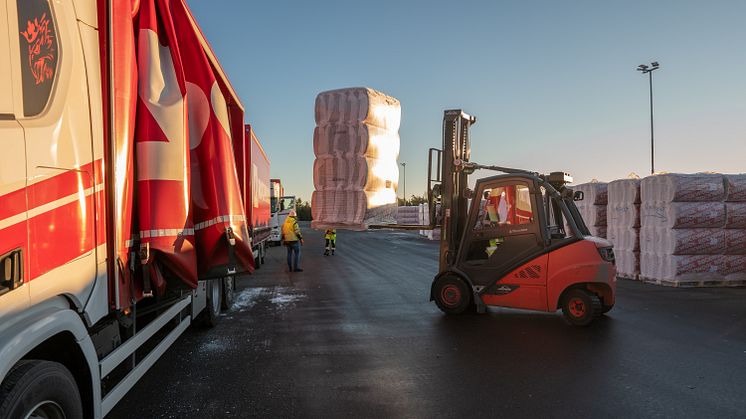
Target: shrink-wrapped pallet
693 229
408 215
356 144
358 106
683 214
673 187
693 241
593 207
623 225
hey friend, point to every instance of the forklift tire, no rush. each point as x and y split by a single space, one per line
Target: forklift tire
580 307
36 388
452 295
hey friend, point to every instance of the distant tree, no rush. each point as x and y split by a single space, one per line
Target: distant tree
414 200
303 209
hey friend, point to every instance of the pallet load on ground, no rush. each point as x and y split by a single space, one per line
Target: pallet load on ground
593 206
623 225
356 144
424 219
693 230
408 215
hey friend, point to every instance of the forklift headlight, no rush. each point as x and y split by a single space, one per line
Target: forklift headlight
607 254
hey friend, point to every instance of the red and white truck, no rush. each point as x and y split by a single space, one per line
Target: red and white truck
129 194
253 176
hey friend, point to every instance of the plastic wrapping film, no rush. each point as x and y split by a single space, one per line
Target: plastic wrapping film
593 207
356 144
693 229
408 215
683 214
627 263
355 105
702 187
623 238
695 241
358 139
623 225
735 188
348 210
595 193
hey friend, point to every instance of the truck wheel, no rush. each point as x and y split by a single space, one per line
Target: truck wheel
263 253
210 316
40 389
229 292
605 309
580 307
452 295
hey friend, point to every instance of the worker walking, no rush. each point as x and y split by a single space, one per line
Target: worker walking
331 241
293 240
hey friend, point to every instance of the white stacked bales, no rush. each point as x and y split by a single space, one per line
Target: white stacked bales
693 229
623 225
356 144
593 206
408 215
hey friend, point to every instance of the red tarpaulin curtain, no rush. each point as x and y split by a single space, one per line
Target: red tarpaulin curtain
172 127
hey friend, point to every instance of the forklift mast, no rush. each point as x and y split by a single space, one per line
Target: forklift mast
453 183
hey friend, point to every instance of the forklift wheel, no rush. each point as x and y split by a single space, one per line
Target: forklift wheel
580 307
452 295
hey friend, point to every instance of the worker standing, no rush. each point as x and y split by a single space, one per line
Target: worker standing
293 240
331 241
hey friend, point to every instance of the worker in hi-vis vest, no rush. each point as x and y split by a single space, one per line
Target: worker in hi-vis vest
293 240
331 241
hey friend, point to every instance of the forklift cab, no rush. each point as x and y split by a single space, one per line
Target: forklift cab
517 240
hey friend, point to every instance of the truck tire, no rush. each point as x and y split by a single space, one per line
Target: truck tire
210 316
229 292
581 307
35 388
452 295
263 253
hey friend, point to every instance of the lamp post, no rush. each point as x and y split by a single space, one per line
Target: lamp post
649 71
404 181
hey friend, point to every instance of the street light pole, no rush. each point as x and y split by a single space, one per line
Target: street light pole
404 181
649 71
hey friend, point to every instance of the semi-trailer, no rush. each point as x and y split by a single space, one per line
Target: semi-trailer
123 218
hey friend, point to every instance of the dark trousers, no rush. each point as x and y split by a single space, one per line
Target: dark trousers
293 255
331 244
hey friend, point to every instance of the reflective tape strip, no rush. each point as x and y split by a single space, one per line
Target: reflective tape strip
173 232
219 219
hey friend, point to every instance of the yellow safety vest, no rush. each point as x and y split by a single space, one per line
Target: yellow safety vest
330 234
290 230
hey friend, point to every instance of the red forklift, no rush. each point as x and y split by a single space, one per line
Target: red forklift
516 240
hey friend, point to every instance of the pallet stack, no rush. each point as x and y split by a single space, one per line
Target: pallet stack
593 206
693 230
623 225
356 144
408 215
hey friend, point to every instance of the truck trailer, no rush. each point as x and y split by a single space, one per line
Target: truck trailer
126 180
253 176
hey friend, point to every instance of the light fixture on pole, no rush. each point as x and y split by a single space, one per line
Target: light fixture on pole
404 181
649 71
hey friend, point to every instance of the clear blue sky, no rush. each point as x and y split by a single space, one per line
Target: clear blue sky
553 84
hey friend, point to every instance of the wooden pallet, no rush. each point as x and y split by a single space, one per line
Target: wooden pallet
695 283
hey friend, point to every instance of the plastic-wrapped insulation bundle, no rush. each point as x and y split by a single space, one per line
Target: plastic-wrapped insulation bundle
356 144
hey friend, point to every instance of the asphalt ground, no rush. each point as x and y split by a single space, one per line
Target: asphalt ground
354 335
